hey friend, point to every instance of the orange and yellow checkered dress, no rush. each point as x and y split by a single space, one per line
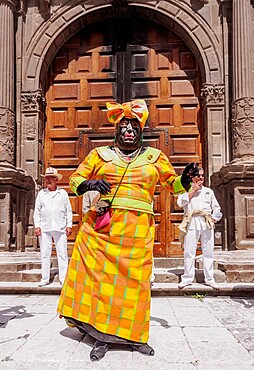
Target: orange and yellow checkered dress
108 280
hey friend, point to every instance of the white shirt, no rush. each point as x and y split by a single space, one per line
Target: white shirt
52 210
204 200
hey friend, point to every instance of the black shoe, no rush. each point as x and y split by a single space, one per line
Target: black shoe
99 350
145 349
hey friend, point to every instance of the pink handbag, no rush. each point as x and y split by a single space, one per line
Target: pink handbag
102 221
102 209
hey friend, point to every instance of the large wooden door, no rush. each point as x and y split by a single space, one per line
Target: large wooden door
101 64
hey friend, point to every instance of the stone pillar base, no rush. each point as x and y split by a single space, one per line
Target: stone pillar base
17 195
234 187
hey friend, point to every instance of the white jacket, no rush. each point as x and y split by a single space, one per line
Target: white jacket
203 200
52 210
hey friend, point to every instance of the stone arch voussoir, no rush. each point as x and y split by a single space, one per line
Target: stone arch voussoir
174 14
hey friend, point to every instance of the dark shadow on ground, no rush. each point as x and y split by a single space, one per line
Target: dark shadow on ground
74 334
11 313
162 322
246 302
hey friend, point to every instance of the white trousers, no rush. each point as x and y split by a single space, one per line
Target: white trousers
60 240
191 239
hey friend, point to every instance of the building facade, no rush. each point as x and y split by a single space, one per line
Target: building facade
191 60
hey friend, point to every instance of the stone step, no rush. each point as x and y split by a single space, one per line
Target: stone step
19 266
31 275
244 276
35 274
10 276
173 275
162 275
229 266
195 290
168 262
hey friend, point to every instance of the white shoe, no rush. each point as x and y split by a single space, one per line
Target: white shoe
213 284
183 284
43 283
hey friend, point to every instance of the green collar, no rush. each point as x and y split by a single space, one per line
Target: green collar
150 155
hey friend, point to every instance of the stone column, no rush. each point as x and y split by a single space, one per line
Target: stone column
213 101
15 184
236 179
7 63
32 108
242 182
243 103
241 47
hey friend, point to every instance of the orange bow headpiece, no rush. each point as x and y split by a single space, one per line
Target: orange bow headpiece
134 109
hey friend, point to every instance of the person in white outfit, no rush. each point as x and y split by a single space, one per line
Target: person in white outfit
201 211
89 200
53 220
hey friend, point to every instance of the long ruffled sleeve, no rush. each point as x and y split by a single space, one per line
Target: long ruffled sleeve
86 170
168 177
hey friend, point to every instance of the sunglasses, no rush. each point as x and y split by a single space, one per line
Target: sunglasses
200 175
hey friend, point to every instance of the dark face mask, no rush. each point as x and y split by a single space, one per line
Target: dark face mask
128 134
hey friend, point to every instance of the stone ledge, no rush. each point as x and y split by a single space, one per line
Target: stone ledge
158 289
225 289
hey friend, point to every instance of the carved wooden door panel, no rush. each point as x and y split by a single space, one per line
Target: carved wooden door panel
96 66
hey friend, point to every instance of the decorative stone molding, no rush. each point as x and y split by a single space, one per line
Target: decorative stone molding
68 20
199 2
7 135
243 128
213 93
30 129
12 3
32 101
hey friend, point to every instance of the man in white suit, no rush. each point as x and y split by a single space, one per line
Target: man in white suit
201 211
53 220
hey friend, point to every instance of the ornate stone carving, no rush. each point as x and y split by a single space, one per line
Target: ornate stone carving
32 100
12 3
30 128
212 93
243 127
7 136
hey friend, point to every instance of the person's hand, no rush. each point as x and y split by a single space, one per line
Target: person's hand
190 171
38 231
68 231
196 185
102 186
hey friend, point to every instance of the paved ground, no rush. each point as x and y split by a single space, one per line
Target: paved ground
196 332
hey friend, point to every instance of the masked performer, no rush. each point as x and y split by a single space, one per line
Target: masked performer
107 289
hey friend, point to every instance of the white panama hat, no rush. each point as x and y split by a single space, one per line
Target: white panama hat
50 171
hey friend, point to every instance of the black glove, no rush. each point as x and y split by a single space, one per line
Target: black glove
100 185
190 171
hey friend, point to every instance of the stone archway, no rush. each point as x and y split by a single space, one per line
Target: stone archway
68 20
178 17
148 61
